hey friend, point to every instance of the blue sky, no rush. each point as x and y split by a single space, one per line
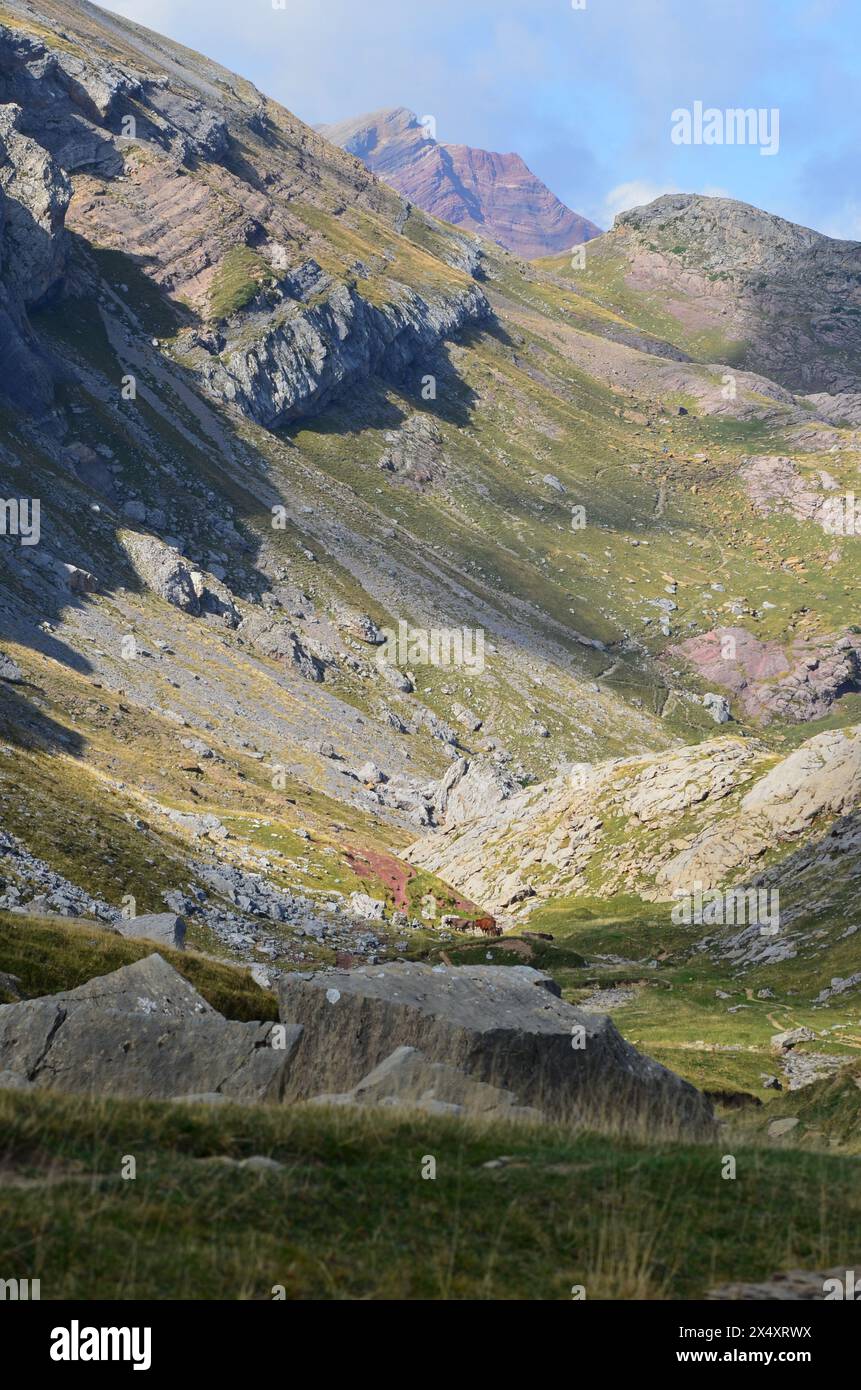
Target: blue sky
584 95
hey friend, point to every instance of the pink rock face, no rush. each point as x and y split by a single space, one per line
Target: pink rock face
495 195
772 682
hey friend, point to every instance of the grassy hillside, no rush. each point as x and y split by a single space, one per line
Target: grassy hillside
349 1215
49 955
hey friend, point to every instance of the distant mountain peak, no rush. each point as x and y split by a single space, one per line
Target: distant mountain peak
496 195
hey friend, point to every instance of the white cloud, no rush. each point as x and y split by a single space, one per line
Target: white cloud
633 195
637 192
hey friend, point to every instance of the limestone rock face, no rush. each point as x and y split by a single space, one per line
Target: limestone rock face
142 1031
289 364
471 789
823 776
711 811
505 1026
496 195
774 484
34 194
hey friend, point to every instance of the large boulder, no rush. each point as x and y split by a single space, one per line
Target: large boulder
10 670
407 1078
164 927
162 569
503 1025
282 643
142 1031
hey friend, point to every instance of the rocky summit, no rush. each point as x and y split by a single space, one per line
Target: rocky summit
494 195
430 707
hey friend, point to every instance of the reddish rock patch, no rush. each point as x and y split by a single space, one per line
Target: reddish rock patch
798 682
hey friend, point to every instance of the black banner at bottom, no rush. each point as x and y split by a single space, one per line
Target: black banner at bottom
82 1339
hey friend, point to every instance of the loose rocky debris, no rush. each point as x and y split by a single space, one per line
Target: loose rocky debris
29 883
800 1285
802 1068
263 920
605 1000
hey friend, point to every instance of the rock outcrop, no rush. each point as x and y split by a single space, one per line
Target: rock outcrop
711 812
142 1031
290 361
471 789
415 454
796 683
34 194
162 569
505 1026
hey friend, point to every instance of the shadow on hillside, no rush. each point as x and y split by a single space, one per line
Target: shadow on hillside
818 884
180 452
25 726
366 405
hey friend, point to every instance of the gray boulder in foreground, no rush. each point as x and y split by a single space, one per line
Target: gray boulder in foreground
502 1025
164 927
143 1030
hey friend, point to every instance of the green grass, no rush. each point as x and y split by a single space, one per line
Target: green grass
827 1111
49 955
676 1014
237 281
351 1217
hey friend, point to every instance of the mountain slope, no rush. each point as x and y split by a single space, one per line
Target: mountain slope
495 195
729 282
272 411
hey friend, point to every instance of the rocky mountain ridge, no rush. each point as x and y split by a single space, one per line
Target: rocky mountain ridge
495 195
769 296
